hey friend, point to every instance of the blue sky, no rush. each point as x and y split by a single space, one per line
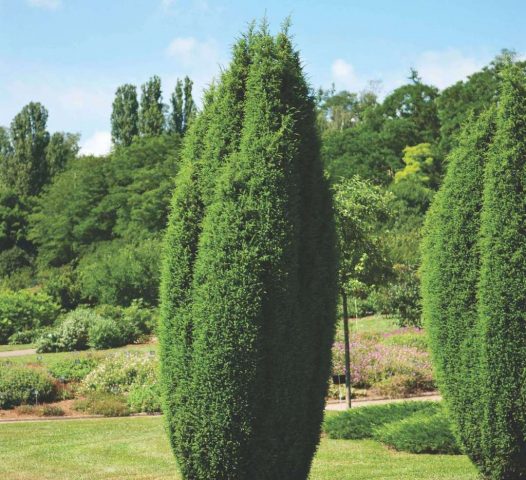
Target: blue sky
72 54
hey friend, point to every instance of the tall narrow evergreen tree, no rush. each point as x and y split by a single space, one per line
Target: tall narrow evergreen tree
249 281
473 272
151 116
125 115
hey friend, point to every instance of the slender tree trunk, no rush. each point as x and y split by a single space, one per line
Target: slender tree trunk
347 350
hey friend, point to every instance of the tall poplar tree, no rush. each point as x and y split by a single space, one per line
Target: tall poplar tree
249 280
189 105
183 107
473 272
151 115
24 168
176 121
125 115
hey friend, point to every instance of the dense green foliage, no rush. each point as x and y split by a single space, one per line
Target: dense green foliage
20 385
151 116
24 310
474 265
98 225
362 422
248 286
183 107
125 115
72 369
420 433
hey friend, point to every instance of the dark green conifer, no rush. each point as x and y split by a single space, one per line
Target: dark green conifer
248 291
474 266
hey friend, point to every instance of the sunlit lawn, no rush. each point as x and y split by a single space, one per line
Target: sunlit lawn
136 448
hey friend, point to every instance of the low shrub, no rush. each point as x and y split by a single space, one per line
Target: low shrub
24 310
71 333
73 369
360 423
144 398
27 410
117 373
402 385
420 433
106 333
52 411
137 319
25 336
109 405
19 385
48 342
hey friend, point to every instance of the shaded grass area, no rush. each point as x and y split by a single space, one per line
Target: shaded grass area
137 448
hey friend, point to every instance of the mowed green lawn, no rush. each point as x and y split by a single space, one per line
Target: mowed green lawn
137 448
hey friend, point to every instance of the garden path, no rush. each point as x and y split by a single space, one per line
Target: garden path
340 406
18 353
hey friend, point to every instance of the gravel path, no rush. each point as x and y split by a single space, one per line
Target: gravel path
340 406
18 353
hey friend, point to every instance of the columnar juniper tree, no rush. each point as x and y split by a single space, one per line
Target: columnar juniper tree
474 266
249 280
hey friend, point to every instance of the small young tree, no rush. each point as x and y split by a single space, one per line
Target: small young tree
473 270
359 207
248 285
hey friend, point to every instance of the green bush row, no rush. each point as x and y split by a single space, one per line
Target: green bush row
100 328
416 427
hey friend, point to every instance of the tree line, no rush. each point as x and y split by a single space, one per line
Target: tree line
87 228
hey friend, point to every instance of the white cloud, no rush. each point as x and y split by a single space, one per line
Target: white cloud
47 4
98 144
442 68
344 76
190 51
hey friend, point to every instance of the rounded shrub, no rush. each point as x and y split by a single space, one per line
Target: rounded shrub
474 264
248 288
106 333
20 385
